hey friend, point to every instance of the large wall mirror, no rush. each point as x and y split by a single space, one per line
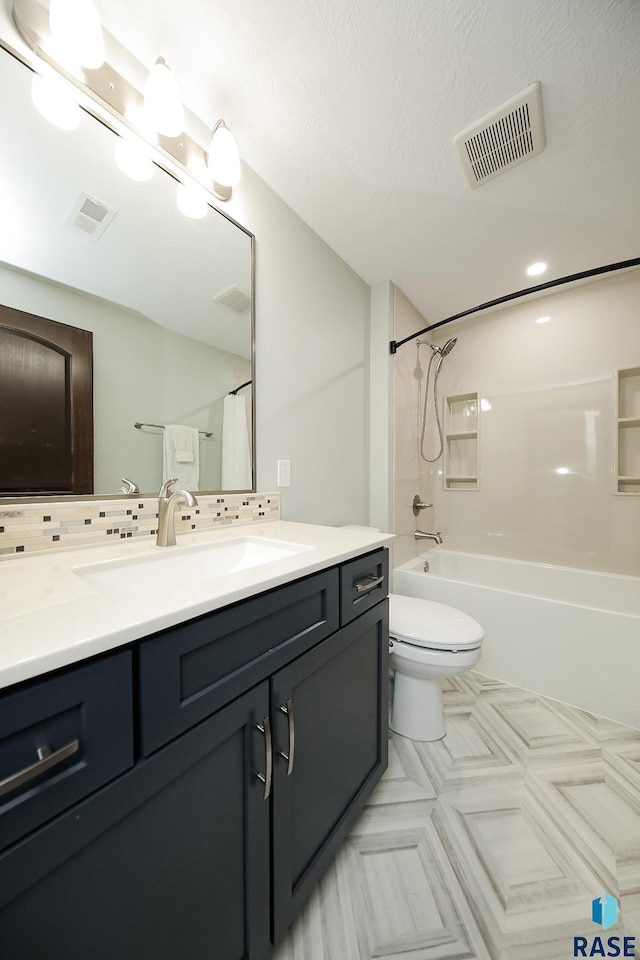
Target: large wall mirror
168 300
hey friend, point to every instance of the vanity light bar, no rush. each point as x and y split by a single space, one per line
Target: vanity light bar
115 95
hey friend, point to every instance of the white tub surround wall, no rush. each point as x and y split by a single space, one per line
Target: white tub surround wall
50 525
565 633
547 428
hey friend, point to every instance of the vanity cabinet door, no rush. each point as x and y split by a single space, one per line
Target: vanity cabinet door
188 672
334 734
169 861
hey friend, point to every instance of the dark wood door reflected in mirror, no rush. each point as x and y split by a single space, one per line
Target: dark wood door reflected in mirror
46 406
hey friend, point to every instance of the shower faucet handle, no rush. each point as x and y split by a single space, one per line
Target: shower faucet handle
419 505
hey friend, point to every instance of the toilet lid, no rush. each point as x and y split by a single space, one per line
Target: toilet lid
426 623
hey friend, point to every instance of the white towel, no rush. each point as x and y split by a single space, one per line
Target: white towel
236 459
181 455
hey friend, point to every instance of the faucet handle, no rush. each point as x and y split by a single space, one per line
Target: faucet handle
165 488
129 486
419 505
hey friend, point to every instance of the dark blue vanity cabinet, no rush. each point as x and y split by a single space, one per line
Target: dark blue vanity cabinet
216 768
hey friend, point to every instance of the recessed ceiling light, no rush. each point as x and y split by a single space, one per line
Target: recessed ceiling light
536 268
543 319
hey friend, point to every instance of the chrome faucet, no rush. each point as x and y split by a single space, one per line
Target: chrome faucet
128 486
167 503
436 537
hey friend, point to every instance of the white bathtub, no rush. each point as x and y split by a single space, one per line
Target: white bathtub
570 634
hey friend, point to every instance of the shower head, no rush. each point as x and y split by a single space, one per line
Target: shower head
443 351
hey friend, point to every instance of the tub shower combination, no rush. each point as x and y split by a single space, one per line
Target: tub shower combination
565 633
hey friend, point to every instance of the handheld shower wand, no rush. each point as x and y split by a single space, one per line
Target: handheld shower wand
440 353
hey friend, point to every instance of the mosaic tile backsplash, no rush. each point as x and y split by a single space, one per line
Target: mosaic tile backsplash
45 526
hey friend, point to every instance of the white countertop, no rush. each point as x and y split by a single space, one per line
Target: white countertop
51 616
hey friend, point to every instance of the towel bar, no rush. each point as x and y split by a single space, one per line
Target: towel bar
160 426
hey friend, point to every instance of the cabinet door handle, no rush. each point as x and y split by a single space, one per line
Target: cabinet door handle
265 729
46 760
287 709
364 586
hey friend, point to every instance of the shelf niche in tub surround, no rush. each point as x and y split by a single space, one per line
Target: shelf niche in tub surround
29 527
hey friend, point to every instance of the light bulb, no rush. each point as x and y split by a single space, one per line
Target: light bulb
77 33
162 101
133 159
191 201
52 99
543 319
224 160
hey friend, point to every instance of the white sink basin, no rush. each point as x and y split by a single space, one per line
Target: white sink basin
178 567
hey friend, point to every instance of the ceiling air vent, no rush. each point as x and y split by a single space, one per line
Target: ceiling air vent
234 297
509 135
90 216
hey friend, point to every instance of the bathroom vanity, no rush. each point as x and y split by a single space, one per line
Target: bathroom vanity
179 794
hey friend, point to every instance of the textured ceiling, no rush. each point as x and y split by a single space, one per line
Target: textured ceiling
348 108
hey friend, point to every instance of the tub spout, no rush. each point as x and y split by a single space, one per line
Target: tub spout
436 537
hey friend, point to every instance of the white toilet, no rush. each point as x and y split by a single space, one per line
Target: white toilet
428 641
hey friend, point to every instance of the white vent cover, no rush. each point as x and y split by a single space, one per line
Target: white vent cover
509 135
90 215
234 297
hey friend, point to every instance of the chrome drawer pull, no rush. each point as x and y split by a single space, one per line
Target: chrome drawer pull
287 709
265 729
46 760
369 584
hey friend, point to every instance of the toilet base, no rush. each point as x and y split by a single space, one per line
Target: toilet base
418 709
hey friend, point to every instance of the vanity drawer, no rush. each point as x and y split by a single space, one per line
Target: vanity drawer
61 738
188 672
363 583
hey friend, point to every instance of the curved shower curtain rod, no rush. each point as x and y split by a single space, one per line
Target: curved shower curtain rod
609 268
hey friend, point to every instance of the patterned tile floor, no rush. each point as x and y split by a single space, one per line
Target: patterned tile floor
490 843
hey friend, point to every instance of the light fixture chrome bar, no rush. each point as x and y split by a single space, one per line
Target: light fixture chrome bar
116 92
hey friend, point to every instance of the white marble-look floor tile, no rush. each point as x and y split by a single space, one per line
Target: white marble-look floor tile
489 844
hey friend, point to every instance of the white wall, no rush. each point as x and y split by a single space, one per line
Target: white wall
381 407
548 393
312 381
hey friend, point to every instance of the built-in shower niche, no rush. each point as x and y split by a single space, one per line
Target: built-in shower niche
461 442
627 430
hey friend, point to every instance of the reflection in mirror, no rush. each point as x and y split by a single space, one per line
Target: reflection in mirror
168 300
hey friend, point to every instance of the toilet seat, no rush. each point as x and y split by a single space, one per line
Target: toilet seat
425 623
